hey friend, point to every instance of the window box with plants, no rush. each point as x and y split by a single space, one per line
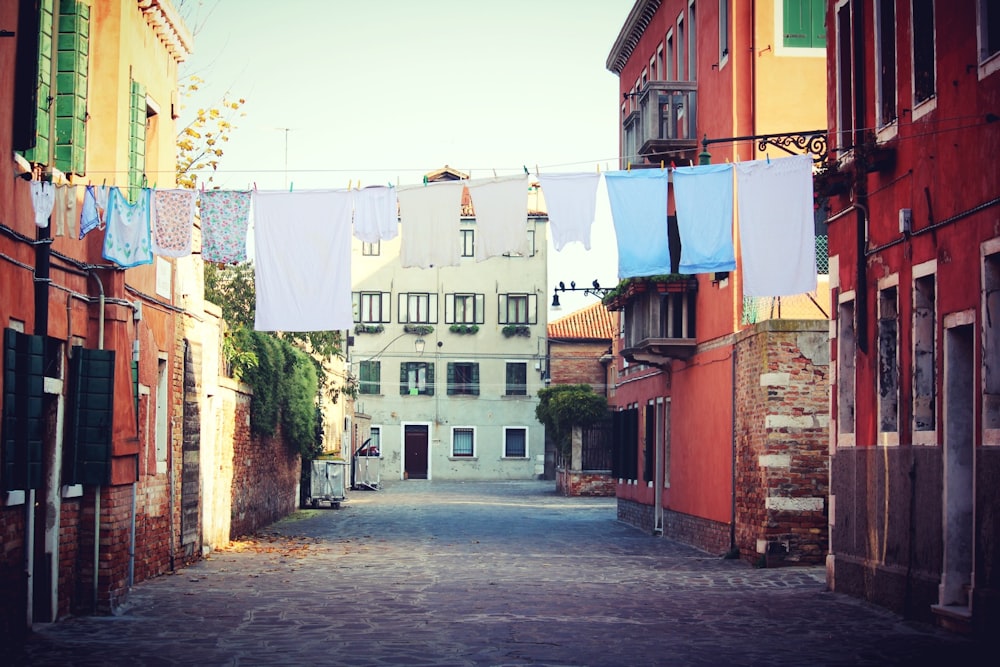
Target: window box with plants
418 329
368 328
516 330
464 328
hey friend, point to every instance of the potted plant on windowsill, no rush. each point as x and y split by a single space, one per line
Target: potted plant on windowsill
368 328
418 329
516 330
464 328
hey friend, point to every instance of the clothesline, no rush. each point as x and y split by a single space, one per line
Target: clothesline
302 237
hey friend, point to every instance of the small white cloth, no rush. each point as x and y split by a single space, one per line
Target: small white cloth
43 198
430 217
302 260
501 206
777 229
571 201
376 214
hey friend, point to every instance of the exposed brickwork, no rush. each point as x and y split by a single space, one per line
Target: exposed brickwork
782 473
575 483
710 536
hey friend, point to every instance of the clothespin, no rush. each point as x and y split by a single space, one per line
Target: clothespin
661 165
768 156
291 185
629 166
494 173
425 179
537 175
254 187
690 163
525 169
349 181
673 165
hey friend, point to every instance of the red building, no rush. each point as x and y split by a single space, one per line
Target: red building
914 233
721 402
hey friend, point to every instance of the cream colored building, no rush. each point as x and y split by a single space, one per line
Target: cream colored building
450 360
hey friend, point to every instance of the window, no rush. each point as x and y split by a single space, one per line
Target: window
649 442
373 446
723 32
671 72
515 443
518 309
370 377
804 24
625 436
371 249
846 349
660 67
463 441
463 378
924 357
53 130
530 244
923 51
991 339
464 308
517 378
416 378
162 409
692 45
989 29
888 364
681 49
418 308
845 78
652 69
468 242
885 61
371 307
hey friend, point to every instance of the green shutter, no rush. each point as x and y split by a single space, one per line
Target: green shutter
451 379
23 402
818 24
798 23
404 367
136 140
40 153
72 64
90 408
475 379
430 380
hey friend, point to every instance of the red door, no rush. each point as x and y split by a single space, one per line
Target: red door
415 452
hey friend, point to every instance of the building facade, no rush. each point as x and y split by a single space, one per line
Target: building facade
449 360
913 214
720 400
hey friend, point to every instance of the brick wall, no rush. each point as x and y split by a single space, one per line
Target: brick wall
575 483
782 423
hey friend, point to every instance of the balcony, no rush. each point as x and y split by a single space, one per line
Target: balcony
659 318
665 127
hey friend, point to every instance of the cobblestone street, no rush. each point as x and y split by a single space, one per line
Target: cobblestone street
507 573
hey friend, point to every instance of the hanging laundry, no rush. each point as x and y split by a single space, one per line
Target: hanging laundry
95 206
64 212
571 202
225 217
429 217
639 211
501 215
172 222
376 214
43 198
302 260
126 238
703 197
777 234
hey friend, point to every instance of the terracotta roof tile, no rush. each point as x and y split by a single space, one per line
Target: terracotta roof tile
594 322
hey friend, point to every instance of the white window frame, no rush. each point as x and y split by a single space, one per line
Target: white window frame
885 285
885 127
920 272
988 63
925 106
527 447
847 348
724 25
463 457
793 51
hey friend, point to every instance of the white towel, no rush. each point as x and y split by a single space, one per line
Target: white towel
376 215
703 197
43 199
571 201
501 206
777 233
430 216
302 260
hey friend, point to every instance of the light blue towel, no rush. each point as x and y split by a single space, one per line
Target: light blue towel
703 197
639 210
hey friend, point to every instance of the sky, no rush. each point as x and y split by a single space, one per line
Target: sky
341 93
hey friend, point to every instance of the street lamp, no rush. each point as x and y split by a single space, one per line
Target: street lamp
595 289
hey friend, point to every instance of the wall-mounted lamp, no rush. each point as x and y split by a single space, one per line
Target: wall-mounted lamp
418 346
595 289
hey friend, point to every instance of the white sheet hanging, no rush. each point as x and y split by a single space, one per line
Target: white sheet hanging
571 201
376 214
302 260
430 216
777 233
501 206
703 198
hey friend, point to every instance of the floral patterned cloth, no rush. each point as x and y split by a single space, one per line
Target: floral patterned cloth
126 239
173 219
225 216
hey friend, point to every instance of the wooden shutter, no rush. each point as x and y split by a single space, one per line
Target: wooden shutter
532 309
43 84
23 402
480 309
450 379
430 380
502 309
356 306
797 23
475 379
26 73
136 140
404 368
385 307
403 310
72 64
449 308
818 27
87 456
648 456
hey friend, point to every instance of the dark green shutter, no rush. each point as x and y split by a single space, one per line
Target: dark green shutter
475 379
23 397
90 410
804 23
451 379
818 24
72 55
136 140
376 379
404 367
40 153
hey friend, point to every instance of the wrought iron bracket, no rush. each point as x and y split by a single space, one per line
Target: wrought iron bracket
794 143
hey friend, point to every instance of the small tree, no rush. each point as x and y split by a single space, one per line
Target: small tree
564 406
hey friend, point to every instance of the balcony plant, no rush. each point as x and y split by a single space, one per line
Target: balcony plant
516 330
464 328
630 287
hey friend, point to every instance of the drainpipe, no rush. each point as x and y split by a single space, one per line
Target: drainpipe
97 488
